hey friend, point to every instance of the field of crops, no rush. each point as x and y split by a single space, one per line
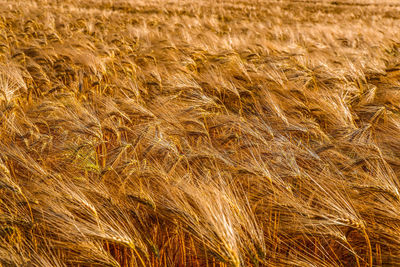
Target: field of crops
199 133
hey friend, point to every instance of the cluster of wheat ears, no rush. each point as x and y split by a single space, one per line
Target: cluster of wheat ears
199 133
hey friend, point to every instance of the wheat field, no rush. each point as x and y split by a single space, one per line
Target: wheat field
199 133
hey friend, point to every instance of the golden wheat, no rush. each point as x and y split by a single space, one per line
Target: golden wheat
199 133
